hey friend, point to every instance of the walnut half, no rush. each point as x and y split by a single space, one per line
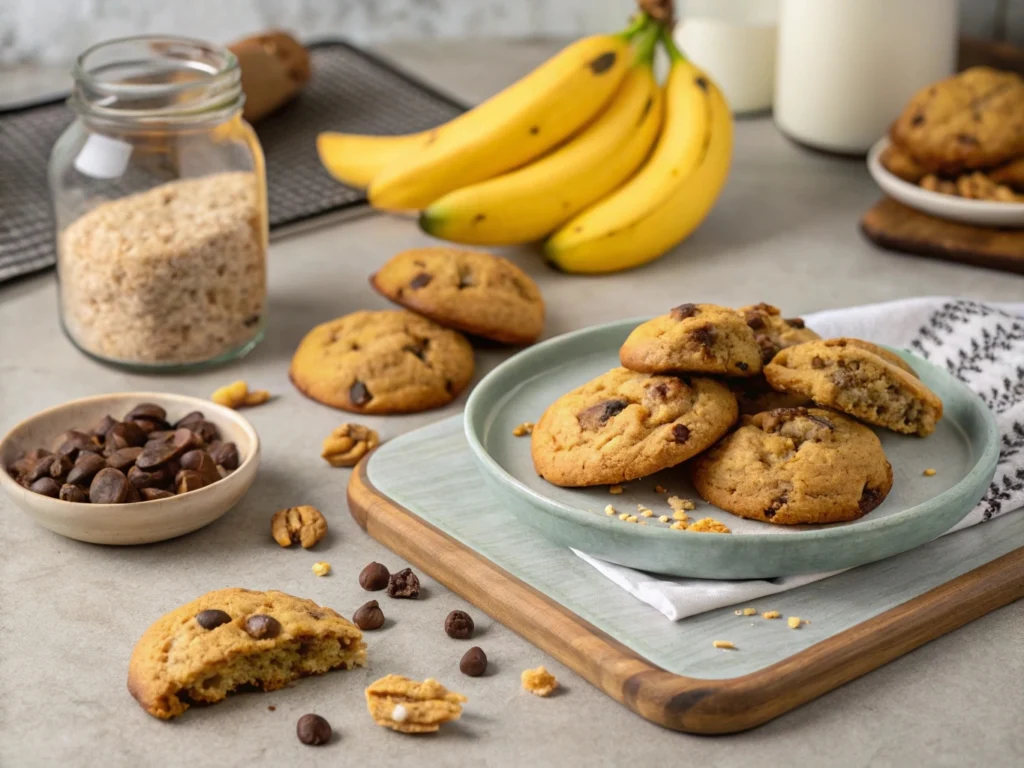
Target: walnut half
303 525
347 444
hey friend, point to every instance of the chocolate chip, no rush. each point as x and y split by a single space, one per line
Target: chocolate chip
109 486
796 322
658 391
421 280
126 434
86 466
917 120
742 366
459 625
149 427
777 505
769 348
225 454
404 584
817 362
595 416
843 378
75 493
203 463
72 442
704 336
146 411
37 453
206 431
158 452
683 311
124 458
967 140
103 426
680 433
60 467
869 499
188 480
262 627
40 468
359 394
153 494
755 319
189 419
157 478
313 730
369 616
374 577
46 486
212 618
474 662
420 349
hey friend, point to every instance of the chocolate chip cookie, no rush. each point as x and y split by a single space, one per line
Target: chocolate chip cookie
232 638
754 394
624 425
796 465
773 332
853 377
973 120
471 291
382 362
693 338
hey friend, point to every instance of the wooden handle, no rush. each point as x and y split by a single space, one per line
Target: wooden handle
274 67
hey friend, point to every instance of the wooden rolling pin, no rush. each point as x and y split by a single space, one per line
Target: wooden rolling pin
274 67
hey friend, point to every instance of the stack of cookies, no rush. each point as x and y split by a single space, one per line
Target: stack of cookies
417 358
963 136
686 377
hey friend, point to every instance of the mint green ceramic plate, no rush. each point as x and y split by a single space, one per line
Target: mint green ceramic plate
963 451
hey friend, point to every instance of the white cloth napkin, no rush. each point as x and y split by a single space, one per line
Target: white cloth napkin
982 344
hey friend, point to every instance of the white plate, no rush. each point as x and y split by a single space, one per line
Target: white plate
985 213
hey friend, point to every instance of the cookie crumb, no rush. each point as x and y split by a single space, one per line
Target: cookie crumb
681 504
624 516
320 568
538 681
644 511
408 706
609 510
749 611
660 489
725 644
237 395
771 615
615 489
664 519
794 622
680 515
929 472
631 519
524 429
738 612
678 525
709 525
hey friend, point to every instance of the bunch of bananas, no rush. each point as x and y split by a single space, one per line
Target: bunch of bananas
587 153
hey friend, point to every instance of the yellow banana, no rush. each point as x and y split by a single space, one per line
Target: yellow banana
531 202
662 221
354 158
511 128
682 142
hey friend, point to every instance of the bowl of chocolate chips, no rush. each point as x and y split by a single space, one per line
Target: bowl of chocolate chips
129 468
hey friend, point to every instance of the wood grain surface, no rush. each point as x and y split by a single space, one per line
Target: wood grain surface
682 703
896 227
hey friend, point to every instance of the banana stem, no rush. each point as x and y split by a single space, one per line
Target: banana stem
646 42
639 22
674 54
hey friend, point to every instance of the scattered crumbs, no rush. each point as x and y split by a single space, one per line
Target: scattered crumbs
272 708
680 515
624 516
632 519
645 512
749 611
709 525
738 612
660 489
664 519
724 644
320 568
609 510
771 615
524 429
615 489
929 472
794 622
678 525
685 504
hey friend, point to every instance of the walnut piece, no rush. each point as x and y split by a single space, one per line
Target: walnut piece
408 706
298 525
238 395
347 444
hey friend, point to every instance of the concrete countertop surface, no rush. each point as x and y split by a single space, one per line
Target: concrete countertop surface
785 231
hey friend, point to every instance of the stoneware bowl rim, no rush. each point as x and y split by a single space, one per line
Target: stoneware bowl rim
27 500
520 366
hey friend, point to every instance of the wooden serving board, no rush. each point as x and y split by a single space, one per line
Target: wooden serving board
421 496
896 227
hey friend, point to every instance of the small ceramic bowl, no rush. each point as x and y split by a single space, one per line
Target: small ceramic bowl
143 522
984 213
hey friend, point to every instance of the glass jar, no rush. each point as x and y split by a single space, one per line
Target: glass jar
159 196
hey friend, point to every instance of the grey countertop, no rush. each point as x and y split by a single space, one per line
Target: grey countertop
785 231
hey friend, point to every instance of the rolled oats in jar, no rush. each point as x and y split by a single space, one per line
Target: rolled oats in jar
160 204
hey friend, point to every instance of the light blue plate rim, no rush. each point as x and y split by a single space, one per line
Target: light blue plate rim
518 367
